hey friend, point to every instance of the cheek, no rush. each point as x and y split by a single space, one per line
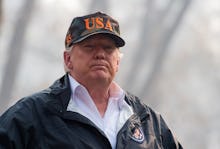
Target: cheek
80 62
71 63
115 63
76 63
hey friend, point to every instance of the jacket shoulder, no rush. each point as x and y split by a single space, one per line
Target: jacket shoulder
136 103
25 106
152 119
141 109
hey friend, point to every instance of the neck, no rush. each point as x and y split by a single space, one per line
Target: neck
100 96
99 92
98 89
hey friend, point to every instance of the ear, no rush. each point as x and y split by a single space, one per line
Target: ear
67 59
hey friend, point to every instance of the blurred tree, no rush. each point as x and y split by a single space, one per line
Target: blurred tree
15 51
158 28
167 31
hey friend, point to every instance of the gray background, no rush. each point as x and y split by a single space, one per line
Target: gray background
171 58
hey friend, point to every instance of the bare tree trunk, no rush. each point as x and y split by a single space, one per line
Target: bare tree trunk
14 54
163 49
155 38
144 44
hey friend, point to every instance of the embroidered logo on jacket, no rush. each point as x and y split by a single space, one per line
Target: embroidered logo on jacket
137 135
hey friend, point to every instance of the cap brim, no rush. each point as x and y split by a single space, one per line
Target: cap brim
118 40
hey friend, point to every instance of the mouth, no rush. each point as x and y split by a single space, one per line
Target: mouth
99 66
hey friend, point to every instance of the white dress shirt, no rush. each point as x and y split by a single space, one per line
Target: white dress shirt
116 114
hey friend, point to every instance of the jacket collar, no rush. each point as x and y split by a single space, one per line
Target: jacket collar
60 85
139 108
60 95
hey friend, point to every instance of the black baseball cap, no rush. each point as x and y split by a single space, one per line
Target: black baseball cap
92 24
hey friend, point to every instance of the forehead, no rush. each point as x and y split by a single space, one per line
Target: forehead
99 38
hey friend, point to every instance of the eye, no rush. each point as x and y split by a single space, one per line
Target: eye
88 47
109 48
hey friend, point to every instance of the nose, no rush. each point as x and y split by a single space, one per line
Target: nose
100 53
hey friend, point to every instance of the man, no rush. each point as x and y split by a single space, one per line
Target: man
86 108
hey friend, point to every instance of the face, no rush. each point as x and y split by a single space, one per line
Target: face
95 58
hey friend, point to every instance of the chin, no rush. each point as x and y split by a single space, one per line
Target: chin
101 76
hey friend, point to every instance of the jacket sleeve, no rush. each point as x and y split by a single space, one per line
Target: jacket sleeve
15 128
4 139
167 137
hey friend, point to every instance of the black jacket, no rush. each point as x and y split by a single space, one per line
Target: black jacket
41 121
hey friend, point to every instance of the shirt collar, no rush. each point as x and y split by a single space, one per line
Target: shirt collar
73 84
116 92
